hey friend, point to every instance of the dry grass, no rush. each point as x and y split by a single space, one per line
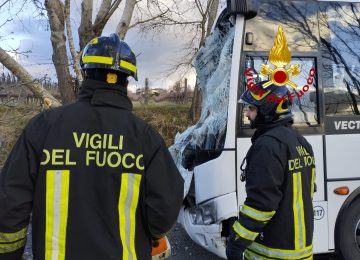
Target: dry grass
167 118
12 121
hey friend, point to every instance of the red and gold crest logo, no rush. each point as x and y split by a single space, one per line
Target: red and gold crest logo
280 57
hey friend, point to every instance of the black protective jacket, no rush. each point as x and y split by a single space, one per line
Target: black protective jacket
99 181
276 220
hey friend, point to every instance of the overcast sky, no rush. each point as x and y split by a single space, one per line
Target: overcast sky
29 32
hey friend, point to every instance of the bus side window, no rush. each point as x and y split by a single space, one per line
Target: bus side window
340 49
304 96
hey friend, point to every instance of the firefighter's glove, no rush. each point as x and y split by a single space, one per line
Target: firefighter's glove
235 249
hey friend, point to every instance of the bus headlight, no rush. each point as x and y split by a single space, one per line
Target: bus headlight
203 214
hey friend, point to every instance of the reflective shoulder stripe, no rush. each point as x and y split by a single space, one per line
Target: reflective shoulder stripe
271 253
244 232
98 59
298 208
253 256
127 65
10 247
312 182
11 237
57 200
258 215
128 201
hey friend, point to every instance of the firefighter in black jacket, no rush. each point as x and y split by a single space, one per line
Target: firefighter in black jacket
99 182
276 219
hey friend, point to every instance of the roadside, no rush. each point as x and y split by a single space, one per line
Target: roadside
182 247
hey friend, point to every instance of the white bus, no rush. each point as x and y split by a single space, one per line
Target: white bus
324 39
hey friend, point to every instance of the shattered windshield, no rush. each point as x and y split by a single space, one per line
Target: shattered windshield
205 140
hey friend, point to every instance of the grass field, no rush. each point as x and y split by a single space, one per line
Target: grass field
12 120
168 118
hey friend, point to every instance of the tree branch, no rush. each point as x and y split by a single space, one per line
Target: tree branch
74 54
125 20
27 79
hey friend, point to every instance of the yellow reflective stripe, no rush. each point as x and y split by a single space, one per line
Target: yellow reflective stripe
65 178
49 221
271 253
127 65
302 219
128 201
244 232
57 200
122 206
98 59
93 41
6 248
312 182
134 203
298 208
253 256
261 96
257 214
12 237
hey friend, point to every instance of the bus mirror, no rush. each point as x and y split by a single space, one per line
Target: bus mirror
244 7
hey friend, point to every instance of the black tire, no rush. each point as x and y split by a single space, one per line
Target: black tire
348 233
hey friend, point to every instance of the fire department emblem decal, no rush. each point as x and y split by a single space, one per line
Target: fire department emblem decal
280 57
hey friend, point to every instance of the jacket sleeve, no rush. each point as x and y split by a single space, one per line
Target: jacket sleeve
16 194
163 185
264 179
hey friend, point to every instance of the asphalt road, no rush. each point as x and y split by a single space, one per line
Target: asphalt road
182 248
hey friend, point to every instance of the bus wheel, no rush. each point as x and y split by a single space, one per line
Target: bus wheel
348 233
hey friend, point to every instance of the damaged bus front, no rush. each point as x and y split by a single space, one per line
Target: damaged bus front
323 38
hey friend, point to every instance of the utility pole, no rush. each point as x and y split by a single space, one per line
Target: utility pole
146 95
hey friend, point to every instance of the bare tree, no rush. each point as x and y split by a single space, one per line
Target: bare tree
59 17
56 14
195 19
208 18
26 79
16 69
74 54
125 20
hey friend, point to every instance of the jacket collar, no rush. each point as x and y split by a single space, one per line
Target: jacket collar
102 94
262 129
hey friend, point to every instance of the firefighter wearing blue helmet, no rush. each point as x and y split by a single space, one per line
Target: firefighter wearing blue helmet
108 58
99 181
276 219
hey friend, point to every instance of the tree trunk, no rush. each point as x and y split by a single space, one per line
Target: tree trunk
74 54
26 79
55 10
125 20
85 30
195 109
89 30
214 6
208 19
